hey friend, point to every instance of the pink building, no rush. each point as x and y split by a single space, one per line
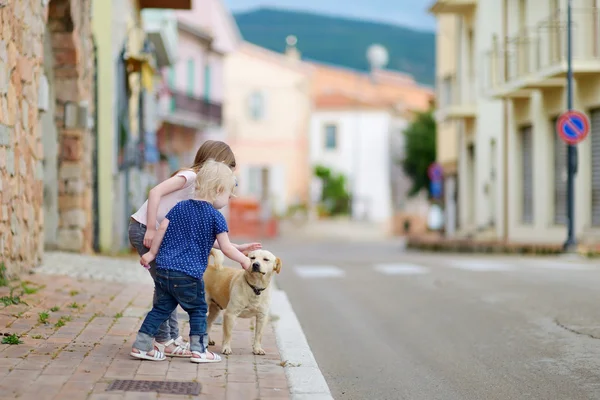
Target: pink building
191 103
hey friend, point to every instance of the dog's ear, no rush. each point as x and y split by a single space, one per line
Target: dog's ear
277 267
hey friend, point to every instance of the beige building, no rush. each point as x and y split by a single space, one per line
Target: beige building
267 119
452 113
520 91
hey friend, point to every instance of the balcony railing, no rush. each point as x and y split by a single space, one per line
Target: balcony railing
539 53
206 110
456 100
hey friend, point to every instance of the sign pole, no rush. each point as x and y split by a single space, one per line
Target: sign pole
571 149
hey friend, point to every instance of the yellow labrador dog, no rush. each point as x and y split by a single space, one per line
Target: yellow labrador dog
240 293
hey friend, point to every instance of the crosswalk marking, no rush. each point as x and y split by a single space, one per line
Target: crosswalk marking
558 265
400 269
319 271
482 265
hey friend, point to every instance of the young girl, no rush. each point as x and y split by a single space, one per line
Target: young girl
142 228
181 248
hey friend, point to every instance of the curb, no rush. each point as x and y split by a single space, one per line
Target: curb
303 374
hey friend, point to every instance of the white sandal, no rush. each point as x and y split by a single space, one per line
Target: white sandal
143 355
178 351
182 343
202 357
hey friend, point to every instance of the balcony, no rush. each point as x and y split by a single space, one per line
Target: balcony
456 101
453 6
192 112
537 58
161 29
169 4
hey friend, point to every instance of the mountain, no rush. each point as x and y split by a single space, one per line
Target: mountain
341 41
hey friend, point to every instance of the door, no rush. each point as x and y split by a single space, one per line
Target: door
472 186
560 178
50 145
527 174
450 204
595 133
493 182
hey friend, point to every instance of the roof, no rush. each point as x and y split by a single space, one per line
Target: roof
339 87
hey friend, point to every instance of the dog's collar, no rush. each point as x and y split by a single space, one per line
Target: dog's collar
257 291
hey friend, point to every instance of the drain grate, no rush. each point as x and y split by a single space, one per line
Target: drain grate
183 388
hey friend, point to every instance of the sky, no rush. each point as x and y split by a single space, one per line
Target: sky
411 13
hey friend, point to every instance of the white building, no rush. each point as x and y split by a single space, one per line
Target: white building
356 130
353 138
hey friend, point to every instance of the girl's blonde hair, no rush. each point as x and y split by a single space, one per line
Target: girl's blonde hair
212 149
213 178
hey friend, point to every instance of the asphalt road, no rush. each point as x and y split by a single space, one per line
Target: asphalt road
439 326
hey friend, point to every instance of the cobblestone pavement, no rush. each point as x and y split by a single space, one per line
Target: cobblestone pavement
77 317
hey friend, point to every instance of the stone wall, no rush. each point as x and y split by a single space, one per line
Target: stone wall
22 26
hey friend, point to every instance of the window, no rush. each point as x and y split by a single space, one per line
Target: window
171 84
446 92
190 77
330 136
207 79
257 106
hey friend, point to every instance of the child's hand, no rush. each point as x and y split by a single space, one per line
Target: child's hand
147 259
246 264
149 237
248 247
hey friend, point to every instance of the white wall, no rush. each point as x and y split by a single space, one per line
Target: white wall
362 155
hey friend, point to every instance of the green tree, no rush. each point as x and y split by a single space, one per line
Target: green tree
419 150
334 196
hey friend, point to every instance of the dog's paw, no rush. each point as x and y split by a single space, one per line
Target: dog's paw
211 342
259 351
226 350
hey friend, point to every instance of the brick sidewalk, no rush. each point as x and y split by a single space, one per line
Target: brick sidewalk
85 343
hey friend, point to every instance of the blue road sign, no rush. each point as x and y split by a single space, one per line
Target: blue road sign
436 189
435 172
573 127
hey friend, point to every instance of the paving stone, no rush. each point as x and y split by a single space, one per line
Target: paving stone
92 348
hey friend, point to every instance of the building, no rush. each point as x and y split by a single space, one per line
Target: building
478 117
142 39
450 115
356 130
191 106
46 96
267 118
520 54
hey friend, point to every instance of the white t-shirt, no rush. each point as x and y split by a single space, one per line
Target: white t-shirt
167 202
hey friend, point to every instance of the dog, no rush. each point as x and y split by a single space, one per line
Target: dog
243 294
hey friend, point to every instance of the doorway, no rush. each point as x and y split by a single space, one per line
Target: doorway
50 146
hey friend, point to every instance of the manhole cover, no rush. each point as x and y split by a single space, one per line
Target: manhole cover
183 388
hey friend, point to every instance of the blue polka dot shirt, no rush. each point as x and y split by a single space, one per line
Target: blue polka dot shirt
192 231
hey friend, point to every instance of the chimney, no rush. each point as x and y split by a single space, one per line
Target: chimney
291 51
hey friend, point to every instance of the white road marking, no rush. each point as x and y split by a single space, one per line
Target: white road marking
400 269
558 265
319 271
482 265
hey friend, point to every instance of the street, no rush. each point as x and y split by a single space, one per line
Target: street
386 323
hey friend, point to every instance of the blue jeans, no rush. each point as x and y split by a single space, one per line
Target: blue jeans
172 288
170 328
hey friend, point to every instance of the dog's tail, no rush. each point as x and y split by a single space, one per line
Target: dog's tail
218 258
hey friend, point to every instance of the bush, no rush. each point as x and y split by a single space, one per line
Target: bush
334 197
